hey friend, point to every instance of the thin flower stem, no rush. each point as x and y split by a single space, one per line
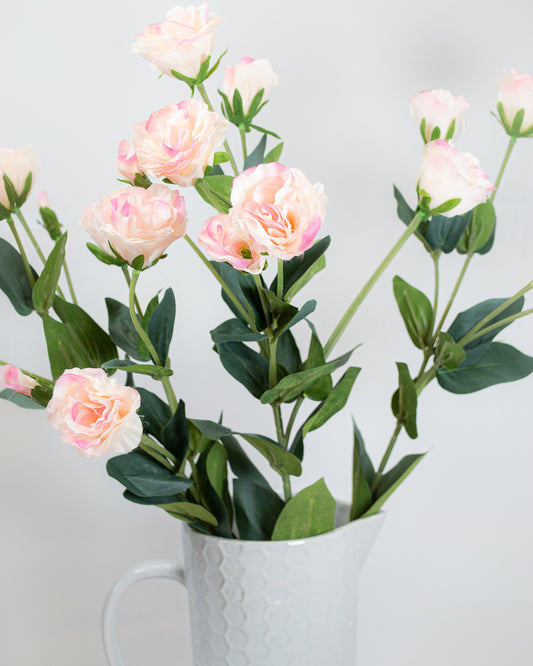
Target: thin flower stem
247 315
280 278
243 145
169 391
159 448
292 417
472 334
435 256
70 284
386 457
452 298
138 308
25 261
506 157
30 235
356 303
156 455
205 97
502 322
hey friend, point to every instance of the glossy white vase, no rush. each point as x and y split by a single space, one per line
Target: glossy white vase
265 603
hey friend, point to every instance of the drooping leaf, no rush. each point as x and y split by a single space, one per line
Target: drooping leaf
14 281
155 371
279 458
148 501
145 477
246 366
309 513
154 413
416 311
335 401
256 509
499 363
76 340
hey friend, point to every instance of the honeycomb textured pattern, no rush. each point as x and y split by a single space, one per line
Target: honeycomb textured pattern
276 603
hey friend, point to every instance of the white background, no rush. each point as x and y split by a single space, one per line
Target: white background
449 580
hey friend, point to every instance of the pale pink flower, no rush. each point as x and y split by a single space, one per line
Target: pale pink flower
278 208
16 164
439 108
94 413
179 141
126 161
249 76
137 221
181 43
13 378
223 241
447 173
42 199
516 93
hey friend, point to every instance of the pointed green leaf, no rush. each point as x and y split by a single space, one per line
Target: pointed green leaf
122 330
256 156
256 509
443 233
190 513
309 513
155 371
362 477
154 413
19 399
145 477
104 257
44 290
279 458
240 464
161 325
404 401
235 330
298 271
14 280
416 311
320 388
335 401
246 366
175 434
391 480
274 155
287 353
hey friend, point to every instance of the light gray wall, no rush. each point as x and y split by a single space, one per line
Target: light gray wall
449 581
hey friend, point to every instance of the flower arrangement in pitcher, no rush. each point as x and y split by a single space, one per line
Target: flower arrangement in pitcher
263 245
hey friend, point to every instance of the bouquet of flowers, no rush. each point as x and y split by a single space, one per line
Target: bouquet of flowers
263 246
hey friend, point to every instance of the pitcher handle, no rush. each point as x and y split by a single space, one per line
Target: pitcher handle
142 571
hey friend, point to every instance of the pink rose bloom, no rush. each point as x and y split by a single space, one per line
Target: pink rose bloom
223 241
249 76
278 208
181 43
439 108
16 164
447 173
137 221
126 161
516 93
179 141
94 413
12 378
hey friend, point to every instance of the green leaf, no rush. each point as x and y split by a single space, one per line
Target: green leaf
279 458
19 399
274 155
255 105
155 371
335 401
256 509
14 280
122 330
391 480
292 386
244 289
287 353
10 191
211 499
309 513
319 389
220 158
298 271
256 156
211 429
161 325
405 212
235 330
216 190
190 512
41 395
145 477
240 464
517 122
362 477
175 434
443 233
148 501
104 257
498 364
479 229
445 207
77 341
404 401
246 366
154 413
416 311
216 468
44 290
448 354
265 131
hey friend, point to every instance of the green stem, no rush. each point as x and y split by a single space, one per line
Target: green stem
280 279
506 157
452 298
356 303
30 235
386 457
205 97
155 454
246 315
435 256
161 449
502 322
292 417
169 391
138 308
243 145
21 250
69 283
472 333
